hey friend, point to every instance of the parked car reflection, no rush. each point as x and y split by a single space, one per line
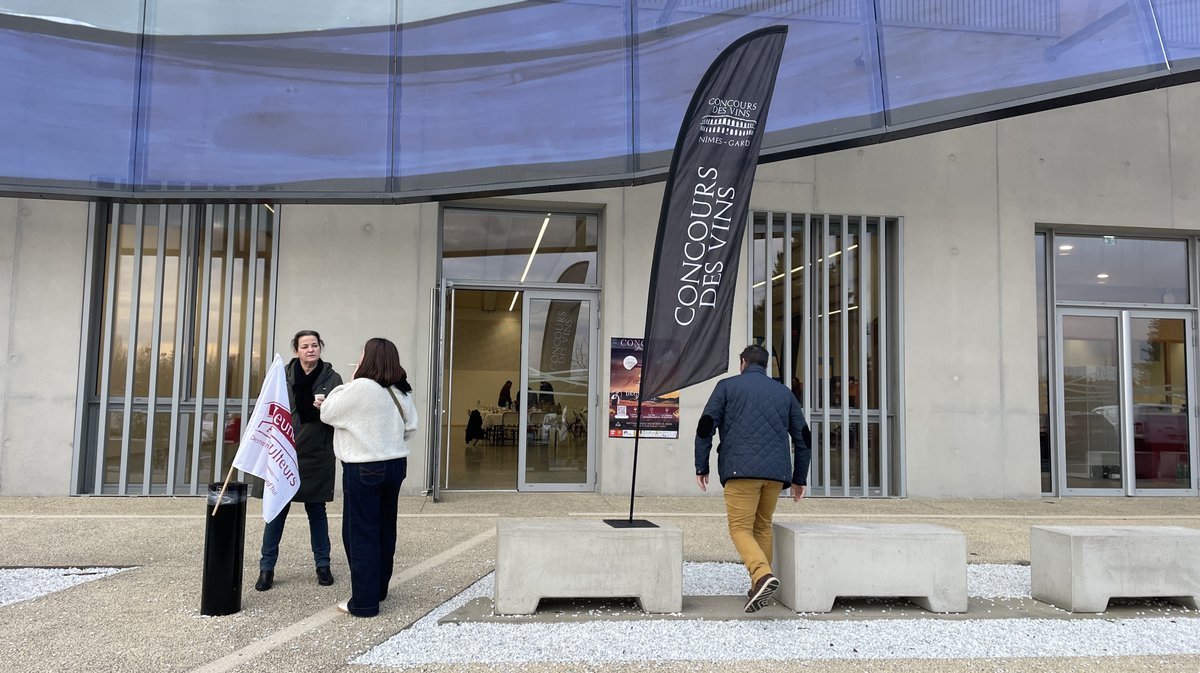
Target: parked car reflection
1160 438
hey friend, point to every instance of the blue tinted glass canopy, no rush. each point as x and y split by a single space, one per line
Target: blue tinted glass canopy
386 100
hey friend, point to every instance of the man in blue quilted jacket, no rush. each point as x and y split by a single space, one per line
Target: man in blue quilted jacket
755 416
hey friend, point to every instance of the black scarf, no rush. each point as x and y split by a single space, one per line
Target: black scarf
302 391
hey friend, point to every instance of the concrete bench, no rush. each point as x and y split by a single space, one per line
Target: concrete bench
555 558
817 562
1079 568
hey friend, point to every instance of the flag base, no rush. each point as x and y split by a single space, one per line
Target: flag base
630 523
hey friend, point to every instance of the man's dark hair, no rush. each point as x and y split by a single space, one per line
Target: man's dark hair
755 355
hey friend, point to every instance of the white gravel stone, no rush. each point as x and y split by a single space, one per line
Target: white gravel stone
601 642
986 580
22 584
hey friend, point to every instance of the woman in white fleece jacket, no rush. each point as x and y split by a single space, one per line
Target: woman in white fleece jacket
373 417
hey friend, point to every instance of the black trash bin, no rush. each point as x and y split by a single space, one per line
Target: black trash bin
224 550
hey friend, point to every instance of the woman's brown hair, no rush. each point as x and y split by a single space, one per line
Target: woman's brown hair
381 363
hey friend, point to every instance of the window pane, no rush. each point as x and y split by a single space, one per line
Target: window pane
512 246
830 264
1039 251
238 316
265 261
210 344
853 282
143 342
172 270
871 308
838 279
1160 403
1091 398
758 278
127 245
160 451
110 451
797 323
1118 269
137 420
779 289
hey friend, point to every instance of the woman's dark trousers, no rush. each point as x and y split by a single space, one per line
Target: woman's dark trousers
371 492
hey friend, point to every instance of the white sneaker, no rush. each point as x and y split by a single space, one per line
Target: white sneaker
344 607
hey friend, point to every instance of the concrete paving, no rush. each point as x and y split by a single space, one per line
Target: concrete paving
147 619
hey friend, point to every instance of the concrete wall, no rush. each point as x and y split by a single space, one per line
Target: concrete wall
357 272
41 301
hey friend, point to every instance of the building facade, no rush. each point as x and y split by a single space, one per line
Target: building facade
937 302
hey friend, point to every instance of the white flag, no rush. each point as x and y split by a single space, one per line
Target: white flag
268 447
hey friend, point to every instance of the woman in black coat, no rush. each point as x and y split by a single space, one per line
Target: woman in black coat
309 379
505 400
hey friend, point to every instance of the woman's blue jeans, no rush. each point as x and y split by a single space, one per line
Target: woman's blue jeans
371 492
318 530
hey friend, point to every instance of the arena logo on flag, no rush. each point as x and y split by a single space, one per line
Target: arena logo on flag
268 449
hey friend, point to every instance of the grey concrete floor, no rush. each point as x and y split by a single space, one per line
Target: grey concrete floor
148 619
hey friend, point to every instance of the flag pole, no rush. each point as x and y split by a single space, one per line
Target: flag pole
637 433
223 487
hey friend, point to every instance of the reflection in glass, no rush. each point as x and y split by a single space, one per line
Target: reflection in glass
798 319
519 247
1121 269
779 298
1179 23
760 270
986 52
172 281
829 265
1091 402
121 310
407 97
181 481
160 451
559 373
1160 399
871 308
512 93
289 93
111 447
134 468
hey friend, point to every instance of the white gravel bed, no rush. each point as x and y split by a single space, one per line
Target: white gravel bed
600 642
989 580
22 584
731 579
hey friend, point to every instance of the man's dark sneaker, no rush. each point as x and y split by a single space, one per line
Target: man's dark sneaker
760 595
265 579
324 576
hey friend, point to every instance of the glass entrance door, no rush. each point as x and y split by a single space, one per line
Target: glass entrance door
1125 387
1161 396
481 350
516 390
557 389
